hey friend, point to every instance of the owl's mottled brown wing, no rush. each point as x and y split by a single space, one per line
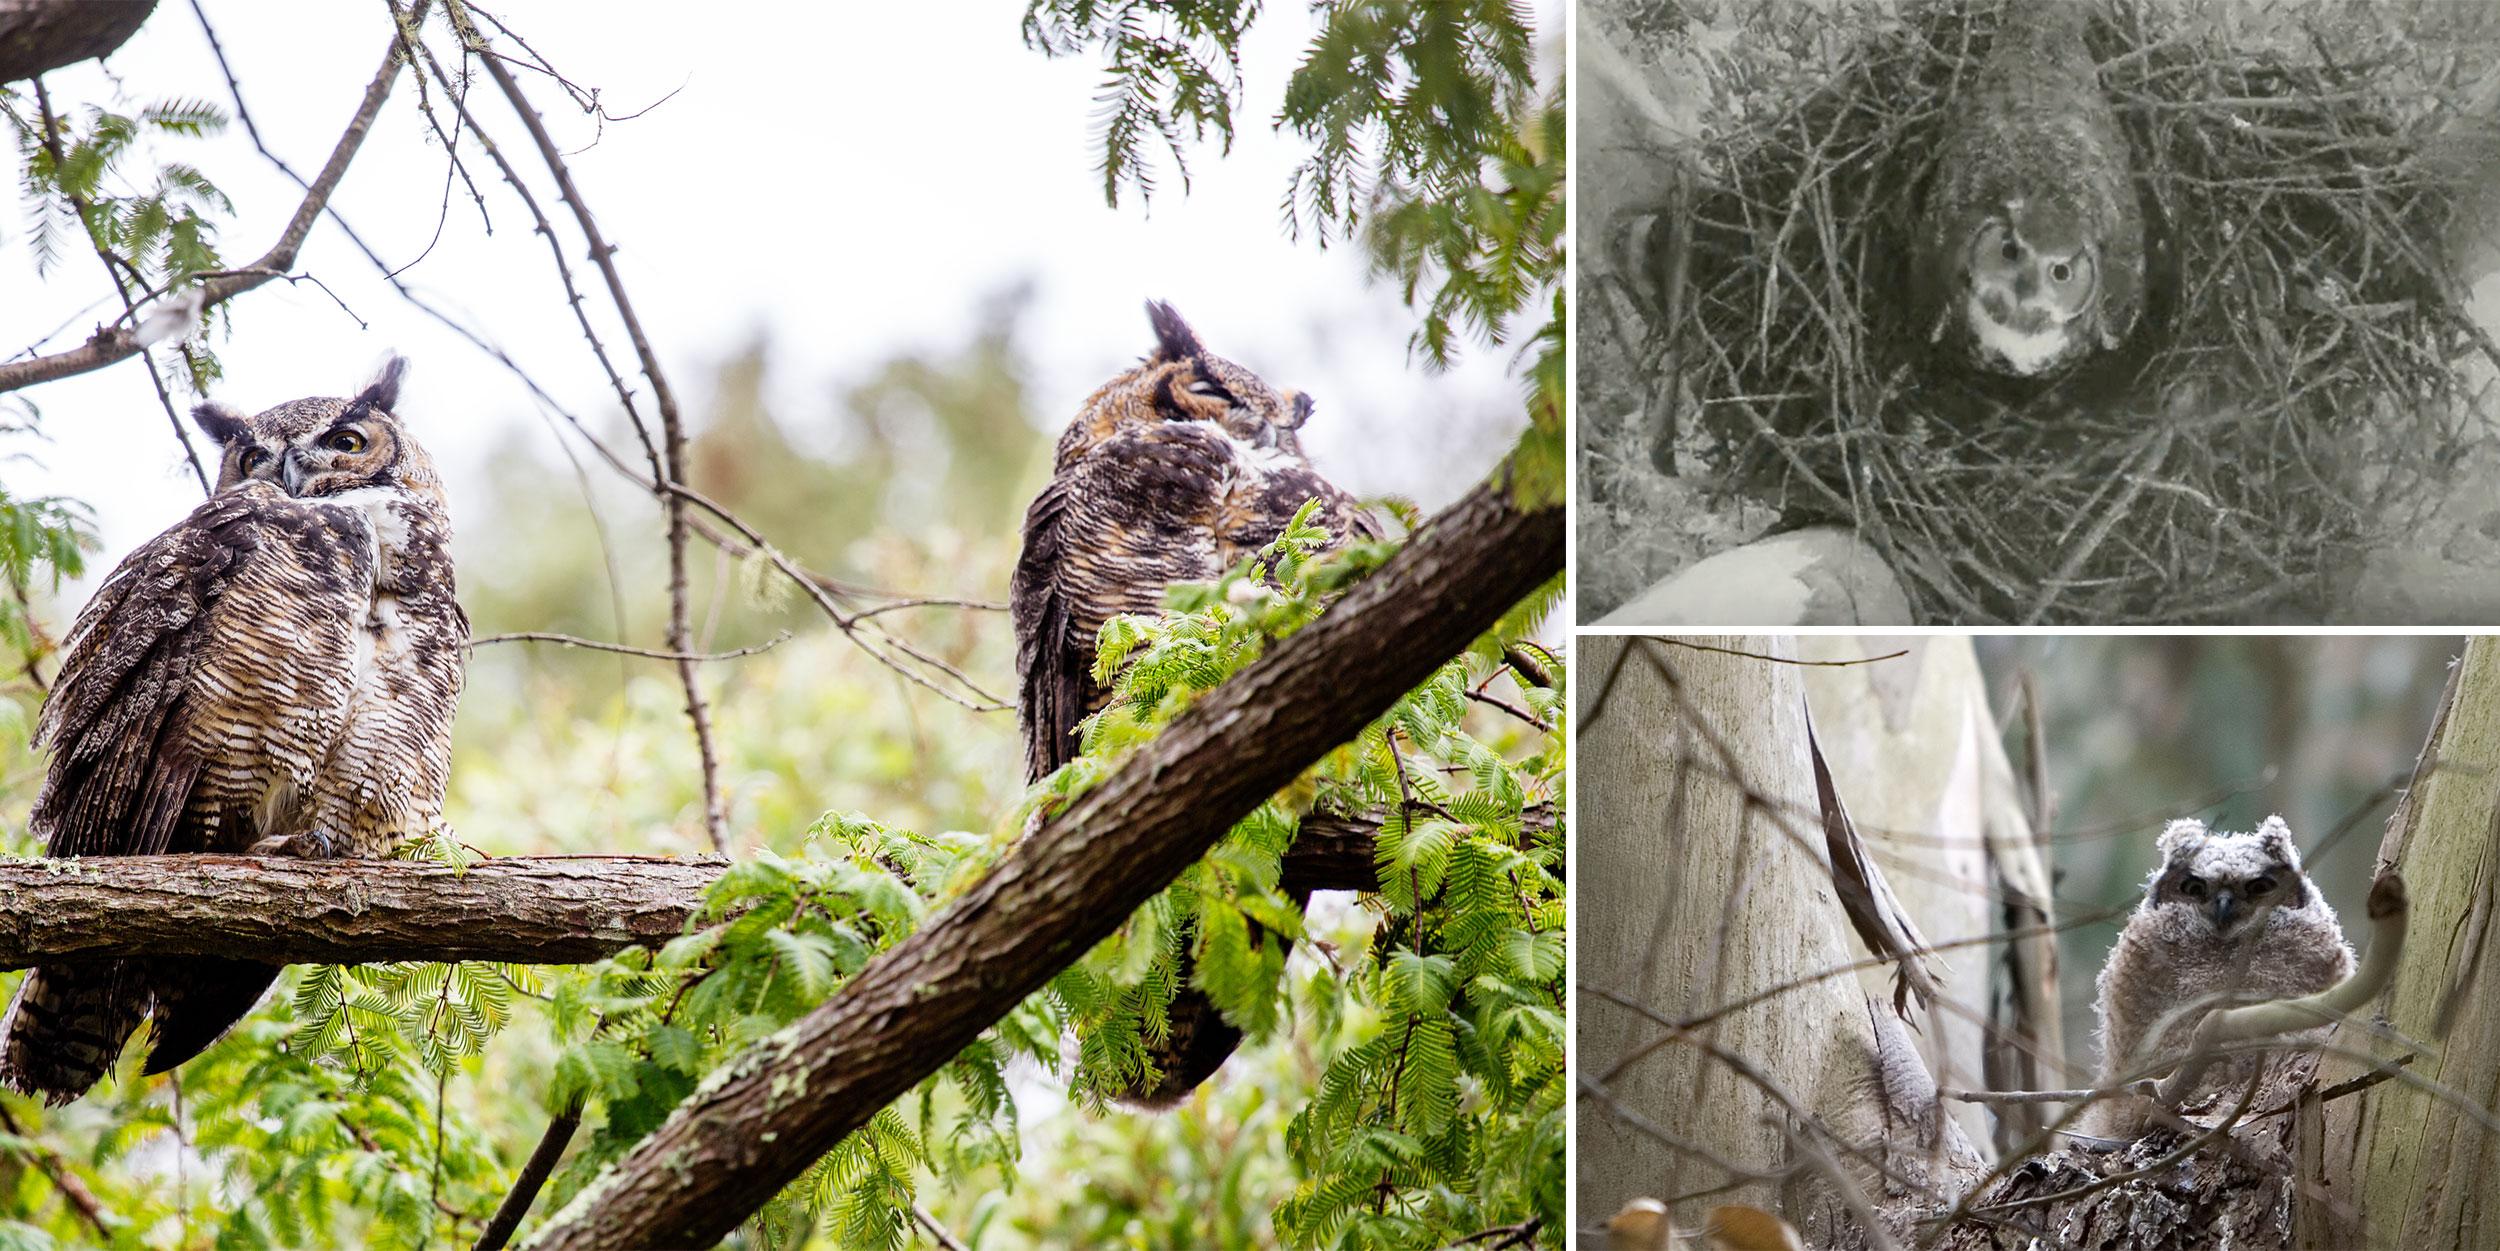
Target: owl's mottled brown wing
199 687
1112 529
212 664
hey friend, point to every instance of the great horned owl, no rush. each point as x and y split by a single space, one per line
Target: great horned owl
275 674
2031 242
1174 471
2227 918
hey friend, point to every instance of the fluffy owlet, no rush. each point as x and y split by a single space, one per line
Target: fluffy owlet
273 675
2031 243
1175 471
2227 918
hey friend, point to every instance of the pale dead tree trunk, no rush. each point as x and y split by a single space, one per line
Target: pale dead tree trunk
1714 1049
2404 1165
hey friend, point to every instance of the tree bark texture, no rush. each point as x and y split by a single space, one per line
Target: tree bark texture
516 910
767 1115
2398 1166
39 36
1701 886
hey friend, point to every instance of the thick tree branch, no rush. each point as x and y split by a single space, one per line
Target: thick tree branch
517 910
766 1117
120 341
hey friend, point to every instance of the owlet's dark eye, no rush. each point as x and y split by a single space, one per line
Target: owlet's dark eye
343 441
2062 272
2010 250
2193 887
253 459
2261 886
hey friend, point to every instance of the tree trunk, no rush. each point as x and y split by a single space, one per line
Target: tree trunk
1705 883
2399 1165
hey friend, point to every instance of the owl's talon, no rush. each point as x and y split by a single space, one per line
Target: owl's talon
308 845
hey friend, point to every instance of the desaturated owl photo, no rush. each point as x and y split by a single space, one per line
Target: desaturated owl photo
2036 313
2226 919
2031 245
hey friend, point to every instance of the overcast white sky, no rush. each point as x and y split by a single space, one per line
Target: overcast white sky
855 177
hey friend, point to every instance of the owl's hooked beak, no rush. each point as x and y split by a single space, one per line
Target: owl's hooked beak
2226 905
291 471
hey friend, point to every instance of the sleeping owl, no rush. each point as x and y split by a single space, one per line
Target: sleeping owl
1175 471
2030 252
2227 918
273 675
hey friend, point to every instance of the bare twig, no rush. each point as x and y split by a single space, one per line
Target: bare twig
543 636
531 1179
672 425
119 343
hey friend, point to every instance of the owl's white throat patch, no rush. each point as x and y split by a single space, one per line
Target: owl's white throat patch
2024 352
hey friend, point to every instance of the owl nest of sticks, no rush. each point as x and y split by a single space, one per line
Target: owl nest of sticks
2191 366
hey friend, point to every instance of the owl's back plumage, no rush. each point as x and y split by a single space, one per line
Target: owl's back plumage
1175 471
2227 918
2031 242
275 673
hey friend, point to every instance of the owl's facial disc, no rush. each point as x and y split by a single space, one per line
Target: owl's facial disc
358 451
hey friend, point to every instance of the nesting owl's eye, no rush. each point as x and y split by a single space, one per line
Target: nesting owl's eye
344 440
1212 390
2260 888
253 459
2193 887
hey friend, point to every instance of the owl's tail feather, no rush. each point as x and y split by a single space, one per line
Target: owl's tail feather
65 1028
199 998
1200 1041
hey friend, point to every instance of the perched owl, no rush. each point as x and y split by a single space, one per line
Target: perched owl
2227 918
2031 243
274 675
1175 471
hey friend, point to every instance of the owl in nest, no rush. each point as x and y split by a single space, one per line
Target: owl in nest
274 675
2227 918
2030 250
1175 471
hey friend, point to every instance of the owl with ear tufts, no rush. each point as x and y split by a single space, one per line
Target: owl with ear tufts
1174 471
2227 919
273 675
2030 252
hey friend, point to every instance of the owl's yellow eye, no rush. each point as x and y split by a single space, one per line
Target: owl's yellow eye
347 441
253 459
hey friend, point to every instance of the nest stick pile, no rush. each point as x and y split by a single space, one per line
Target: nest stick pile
2289 401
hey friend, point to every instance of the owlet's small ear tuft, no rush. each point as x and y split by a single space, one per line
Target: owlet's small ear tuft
218 422
1174 340
383 391
2277 838
2185 832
